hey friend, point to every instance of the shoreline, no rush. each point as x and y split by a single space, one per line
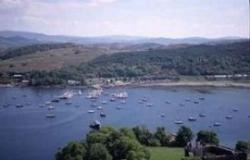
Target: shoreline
223 84
212 84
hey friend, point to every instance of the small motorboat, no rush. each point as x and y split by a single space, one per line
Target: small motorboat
229 117
99 107
95 125
112 99
55 100
202 98
235 109
48 103
149 104
178 122
51 107
192 119
50 115
202 115
66 95
163 115
19 106
217 124
196 102
144 99
91 111
102 114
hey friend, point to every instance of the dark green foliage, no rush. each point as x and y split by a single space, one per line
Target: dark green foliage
128 133
98 151
108 144
194 60
242 146
207 137
53 77
162 136
73 151
184 135
145 137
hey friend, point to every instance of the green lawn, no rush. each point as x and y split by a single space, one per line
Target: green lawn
165 153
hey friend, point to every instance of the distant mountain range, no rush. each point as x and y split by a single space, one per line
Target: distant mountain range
19 38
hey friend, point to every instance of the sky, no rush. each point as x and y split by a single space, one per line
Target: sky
151 18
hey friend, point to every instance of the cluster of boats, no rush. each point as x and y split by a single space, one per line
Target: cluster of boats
65 96
121 97
192 118
93 97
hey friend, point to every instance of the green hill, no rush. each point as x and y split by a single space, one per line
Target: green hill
193 60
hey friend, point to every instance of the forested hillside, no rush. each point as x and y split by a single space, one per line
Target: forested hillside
59 65
194 60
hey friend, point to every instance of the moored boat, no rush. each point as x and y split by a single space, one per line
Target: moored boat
178 122
102 114
19 106
66 95
192 119
91 111
55 100
51 107
229 117
50 115
217 124
149 104
99 107
235 109
95 125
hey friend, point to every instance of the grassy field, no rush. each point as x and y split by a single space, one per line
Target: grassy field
164 153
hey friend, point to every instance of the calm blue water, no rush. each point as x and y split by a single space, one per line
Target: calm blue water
26 133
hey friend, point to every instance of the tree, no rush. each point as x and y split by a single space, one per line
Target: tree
143 135
161 135
98 151
73 151
184 135
207 137
128 133
242 146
